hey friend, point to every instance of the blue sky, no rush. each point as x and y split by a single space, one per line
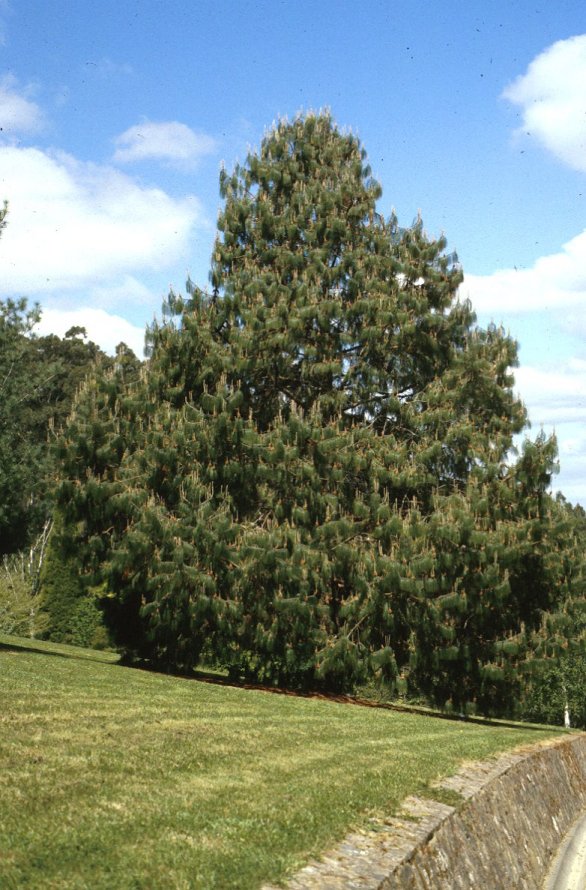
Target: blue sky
116 116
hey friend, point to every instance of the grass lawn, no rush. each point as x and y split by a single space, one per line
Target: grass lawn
113 778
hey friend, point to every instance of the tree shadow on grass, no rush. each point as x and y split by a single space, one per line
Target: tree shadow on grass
218 679
48 649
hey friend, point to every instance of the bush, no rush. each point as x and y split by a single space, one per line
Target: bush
19 605
71 609
546 695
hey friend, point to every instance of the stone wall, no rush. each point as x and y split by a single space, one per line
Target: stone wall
515 814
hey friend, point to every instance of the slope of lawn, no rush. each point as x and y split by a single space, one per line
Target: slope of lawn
117 778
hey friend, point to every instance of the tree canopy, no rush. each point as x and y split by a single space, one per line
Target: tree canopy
313 480
39 378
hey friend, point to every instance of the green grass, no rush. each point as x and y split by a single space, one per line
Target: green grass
66 651
117 778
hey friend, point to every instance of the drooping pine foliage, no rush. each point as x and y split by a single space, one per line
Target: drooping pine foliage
312 481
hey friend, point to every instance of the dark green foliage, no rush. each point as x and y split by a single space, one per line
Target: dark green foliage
558 685
39 377
556 674
23 456
314 476
70 609
103 427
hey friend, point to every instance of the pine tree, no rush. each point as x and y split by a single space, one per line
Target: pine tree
106 421
553 677
314 479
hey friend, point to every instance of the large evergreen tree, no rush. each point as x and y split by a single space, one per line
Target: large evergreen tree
313 479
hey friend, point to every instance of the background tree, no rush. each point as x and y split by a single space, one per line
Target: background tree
39 378
558 666
68 610
20 600
23 458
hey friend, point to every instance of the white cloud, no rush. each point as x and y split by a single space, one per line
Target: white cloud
18 113
554 395
570 479
168 141
105 329
556 401
574 323
555 281
73 224
552 97
127 291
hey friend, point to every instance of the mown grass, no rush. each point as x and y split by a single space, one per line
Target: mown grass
117 778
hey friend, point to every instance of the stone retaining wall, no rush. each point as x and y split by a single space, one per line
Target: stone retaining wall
516 812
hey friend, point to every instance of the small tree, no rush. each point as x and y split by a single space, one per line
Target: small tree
69 611
20 599
554 681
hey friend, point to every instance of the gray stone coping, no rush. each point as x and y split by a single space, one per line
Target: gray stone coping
515 813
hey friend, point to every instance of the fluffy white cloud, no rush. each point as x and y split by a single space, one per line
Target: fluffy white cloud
554 282
76 225
552 97
127 291
18 113
570 479
555 395
103 328
87 241
168 141
556 401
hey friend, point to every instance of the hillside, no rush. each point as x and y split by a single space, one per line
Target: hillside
118 778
